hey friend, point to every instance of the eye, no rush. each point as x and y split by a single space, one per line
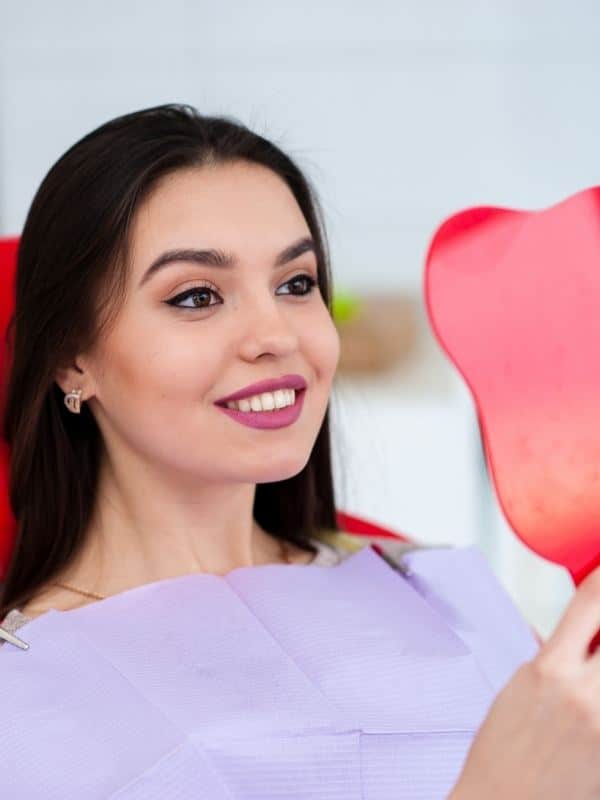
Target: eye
205 290
310 282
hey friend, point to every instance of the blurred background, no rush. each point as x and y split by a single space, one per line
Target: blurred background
401 113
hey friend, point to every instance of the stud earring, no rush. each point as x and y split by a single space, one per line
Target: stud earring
73 400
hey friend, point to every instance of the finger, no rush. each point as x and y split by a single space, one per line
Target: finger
579 624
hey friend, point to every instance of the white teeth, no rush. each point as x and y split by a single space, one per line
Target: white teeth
267 401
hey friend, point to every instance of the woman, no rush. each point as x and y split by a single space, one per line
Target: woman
167 413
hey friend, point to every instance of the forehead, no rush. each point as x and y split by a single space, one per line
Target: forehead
241 207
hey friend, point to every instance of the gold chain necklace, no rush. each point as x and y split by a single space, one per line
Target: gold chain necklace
282 546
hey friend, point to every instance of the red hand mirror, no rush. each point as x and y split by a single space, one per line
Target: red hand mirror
514 299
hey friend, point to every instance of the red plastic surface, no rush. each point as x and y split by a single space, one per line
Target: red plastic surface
513 297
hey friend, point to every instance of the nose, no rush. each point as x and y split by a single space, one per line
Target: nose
268 327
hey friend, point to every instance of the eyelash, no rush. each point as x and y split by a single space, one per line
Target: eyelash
205 286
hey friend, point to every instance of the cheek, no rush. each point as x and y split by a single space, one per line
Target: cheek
160 366
322 345
181 372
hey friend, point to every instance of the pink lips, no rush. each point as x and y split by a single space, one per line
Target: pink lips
296 382
278 418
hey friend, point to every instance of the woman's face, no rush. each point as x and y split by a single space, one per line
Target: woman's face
157 374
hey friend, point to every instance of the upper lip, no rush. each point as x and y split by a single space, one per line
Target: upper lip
269 385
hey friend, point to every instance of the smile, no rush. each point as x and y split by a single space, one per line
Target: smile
265 417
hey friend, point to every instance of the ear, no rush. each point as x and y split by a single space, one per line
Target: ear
71 377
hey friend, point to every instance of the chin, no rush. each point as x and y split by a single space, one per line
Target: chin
273 472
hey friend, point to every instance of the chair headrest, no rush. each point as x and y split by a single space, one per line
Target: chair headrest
8 263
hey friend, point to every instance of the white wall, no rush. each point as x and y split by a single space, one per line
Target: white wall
402 112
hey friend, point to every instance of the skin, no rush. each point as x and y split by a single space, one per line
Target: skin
178 478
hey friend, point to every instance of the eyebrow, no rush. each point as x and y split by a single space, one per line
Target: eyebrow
217 258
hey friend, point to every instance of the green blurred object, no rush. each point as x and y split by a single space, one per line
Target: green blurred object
345 306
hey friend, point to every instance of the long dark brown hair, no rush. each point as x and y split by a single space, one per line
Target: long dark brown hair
70 281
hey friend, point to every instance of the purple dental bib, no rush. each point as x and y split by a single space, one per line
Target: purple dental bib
351 682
